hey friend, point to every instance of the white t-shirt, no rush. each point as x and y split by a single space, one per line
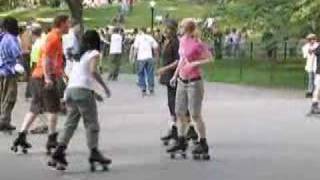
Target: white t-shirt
70 41
145 43
311 64
80 76
116 44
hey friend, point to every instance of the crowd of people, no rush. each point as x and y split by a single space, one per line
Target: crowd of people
62 71
61 68
235 42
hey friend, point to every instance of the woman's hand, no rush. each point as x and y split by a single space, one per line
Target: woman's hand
173 81
48 83
98 97
108 92
193 64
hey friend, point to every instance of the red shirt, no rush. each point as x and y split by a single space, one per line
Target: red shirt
52 51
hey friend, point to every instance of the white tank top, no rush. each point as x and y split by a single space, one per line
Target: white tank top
80 76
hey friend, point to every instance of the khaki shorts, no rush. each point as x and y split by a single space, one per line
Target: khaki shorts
189 97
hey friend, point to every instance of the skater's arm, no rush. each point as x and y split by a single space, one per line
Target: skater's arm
168 67
175 55
180 64
97 76
205 57
202 62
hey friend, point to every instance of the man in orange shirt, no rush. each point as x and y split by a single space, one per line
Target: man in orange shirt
45 95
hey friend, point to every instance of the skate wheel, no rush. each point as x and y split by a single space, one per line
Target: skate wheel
52 164
105 168
184 155
14 149
48 153
195 142
172 156
196 157
165 143
24 151
61 168
92 168
206 157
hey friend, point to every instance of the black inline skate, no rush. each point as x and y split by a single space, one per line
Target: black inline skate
58 159
172 135
52 143
97 158
180 147
192 135
201 151
21 141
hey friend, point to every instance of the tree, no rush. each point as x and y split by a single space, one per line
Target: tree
76 9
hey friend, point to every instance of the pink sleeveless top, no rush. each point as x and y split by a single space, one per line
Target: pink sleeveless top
191 50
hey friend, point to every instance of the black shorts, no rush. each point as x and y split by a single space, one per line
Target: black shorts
44 99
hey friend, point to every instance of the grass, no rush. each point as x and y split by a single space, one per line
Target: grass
100 17
256 73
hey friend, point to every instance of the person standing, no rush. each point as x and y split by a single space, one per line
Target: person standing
40 126
26 45
170 61
71 47
124 7
170 56
315 50
115 53
234 42
190 89
146 49
81 101
47 72
10 56
228 41
131 3
311 62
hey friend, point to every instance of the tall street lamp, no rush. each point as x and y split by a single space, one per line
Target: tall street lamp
152 5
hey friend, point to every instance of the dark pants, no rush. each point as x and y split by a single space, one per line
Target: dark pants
115 66
311 85
44 99
8 97
171 92
146 74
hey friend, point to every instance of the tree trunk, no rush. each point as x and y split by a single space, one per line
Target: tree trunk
76 10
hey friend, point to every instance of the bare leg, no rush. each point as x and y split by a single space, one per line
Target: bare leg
183 125
28 120
52 118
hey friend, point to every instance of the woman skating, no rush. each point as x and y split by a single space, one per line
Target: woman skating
190 89
170 63
81 102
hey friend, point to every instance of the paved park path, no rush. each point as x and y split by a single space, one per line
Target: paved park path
254 133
